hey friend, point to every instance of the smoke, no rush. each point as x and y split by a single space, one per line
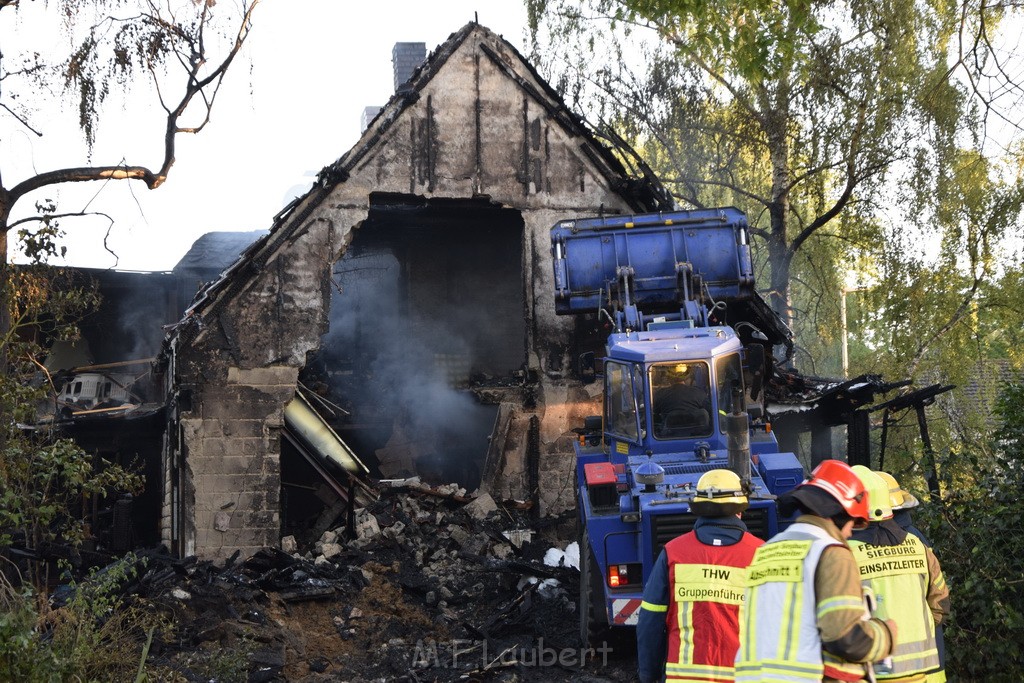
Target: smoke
394 362
138 329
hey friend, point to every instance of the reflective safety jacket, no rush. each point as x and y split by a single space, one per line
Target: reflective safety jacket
688 622
904 519
802 625
706 589
901 578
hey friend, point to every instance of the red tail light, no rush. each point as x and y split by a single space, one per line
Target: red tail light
613 576
622 575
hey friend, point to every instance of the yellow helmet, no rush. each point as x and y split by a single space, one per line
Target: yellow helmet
900 498
719 493
677 371
879 506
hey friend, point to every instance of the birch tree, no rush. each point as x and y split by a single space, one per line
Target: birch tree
802 113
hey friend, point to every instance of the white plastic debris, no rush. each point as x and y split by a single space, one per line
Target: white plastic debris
546 588
570 557
554 557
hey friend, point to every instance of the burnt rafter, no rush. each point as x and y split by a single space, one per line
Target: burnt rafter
838 402
920 397
825 401
813 404
918 400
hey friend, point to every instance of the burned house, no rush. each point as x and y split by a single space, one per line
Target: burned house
398 318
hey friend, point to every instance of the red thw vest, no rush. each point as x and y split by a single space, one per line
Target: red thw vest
706 589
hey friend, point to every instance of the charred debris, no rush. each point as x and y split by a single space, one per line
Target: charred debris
422 584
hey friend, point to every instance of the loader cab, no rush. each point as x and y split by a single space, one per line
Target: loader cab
658 405
660 397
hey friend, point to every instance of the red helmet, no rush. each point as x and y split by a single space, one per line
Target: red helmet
838 479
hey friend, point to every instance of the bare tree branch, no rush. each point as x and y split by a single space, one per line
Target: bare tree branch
728 186
195 86
51 216
21 120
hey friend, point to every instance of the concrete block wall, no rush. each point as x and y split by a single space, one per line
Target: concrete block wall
232 446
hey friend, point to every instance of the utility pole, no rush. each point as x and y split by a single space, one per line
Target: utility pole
846 342
846 338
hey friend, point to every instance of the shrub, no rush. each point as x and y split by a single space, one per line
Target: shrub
96 635
41 483
979 540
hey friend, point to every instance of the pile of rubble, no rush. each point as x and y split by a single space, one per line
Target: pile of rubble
421 586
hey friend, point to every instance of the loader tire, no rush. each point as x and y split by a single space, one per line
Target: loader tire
593 617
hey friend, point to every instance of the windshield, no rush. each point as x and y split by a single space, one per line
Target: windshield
681 400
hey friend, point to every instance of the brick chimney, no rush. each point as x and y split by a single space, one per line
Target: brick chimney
405 58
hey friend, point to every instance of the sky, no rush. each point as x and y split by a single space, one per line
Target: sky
292 106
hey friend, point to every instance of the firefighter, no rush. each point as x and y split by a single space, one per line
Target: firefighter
917 600
687 628
804 614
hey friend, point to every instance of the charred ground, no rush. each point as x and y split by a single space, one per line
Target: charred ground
421 586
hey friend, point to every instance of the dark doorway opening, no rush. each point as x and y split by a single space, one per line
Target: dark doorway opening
427 301
312 502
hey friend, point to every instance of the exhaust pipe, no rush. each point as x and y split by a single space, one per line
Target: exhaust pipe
737 439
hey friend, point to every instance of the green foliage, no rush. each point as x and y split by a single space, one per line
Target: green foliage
947 312
96 636
1003 316
23 654
978 533
43 478
226 665
44 481
41 244
841 131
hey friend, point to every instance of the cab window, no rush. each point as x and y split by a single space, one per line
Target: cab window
621 417
728 376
